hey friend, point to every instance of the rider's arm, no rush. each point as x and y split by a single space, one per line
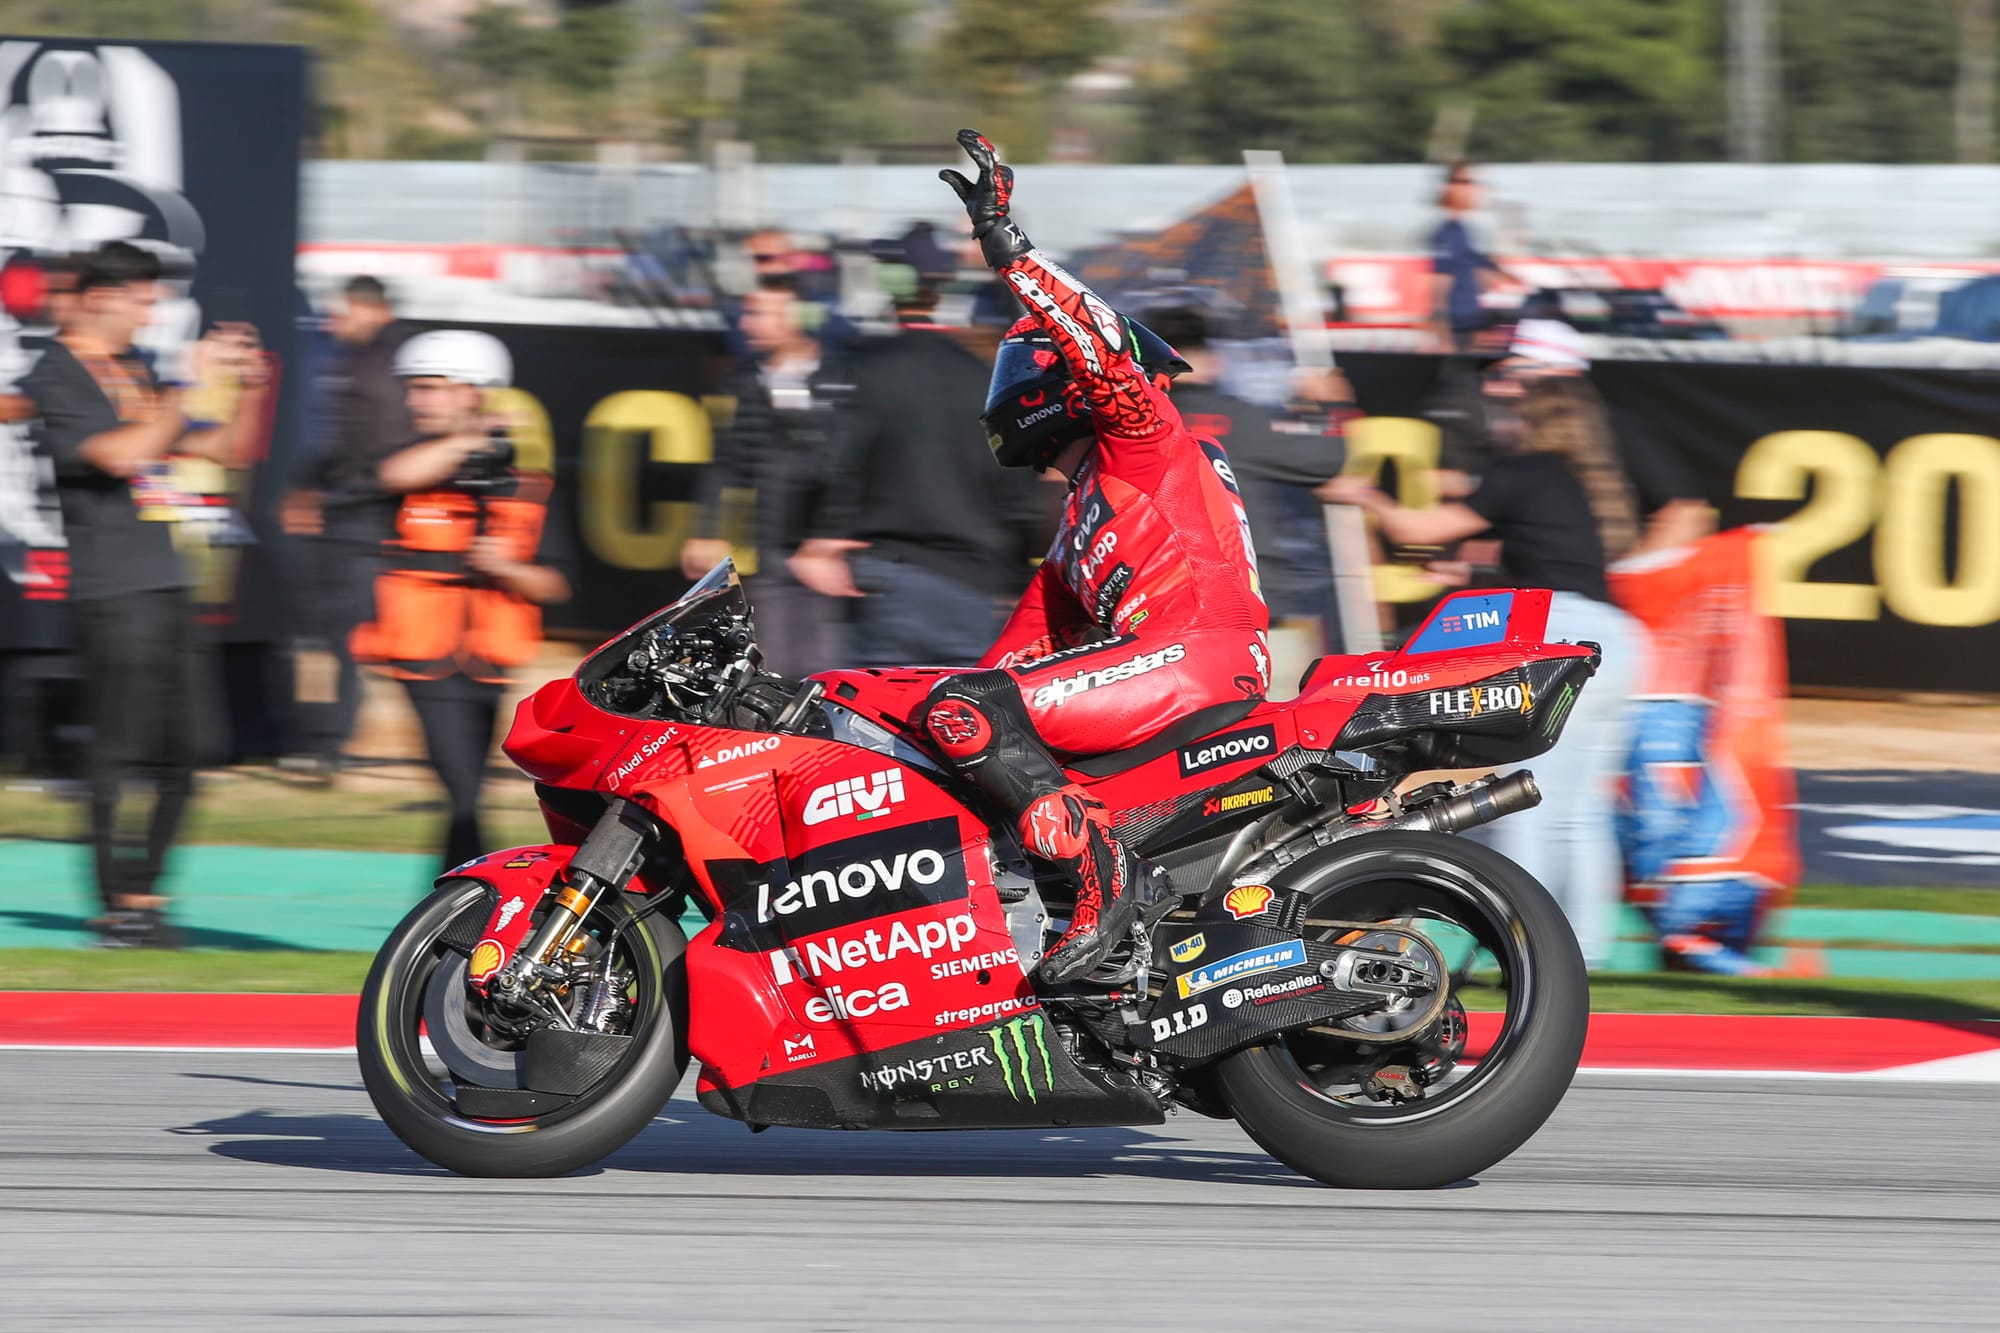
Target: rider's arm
1088 333
1046 619
1092 340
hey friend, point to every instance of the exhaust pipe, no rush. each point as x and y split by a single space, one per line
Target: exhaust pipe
1455 814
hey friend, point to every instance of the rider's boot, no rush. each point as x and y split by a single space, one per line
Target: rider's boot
1116 891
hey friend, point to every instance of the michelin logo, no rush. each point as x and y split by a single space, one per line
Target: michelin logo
1292 953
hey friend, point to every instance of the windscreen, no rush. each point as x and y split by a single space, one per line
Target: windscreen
716 593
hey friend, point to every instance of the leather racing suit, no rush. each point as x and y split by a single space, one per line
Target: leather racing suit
1145 611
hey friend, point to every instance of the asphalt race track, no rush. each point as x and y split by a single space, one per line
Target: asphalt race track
171 1190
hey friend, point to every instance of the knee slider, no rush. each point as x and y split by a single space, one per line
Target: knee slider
965 712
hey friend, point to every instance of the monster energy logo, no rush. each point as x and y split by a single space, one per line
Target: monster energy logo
1010 1045
1552 724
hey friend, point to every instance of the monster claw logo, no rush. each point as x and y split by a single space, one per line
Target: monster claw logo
1010 1047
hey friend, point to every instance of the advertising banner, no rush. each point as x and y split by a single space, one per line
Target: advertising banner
1883 486
1396 289
190 149
626 418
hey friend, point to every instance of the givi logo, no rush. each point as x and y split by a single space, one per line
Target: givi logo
864 798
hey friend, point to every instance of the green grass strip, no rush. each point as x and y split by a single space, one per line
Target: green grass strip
342 973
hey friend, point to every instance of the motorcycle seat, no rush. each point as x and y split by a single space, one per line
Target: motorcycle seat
1202 722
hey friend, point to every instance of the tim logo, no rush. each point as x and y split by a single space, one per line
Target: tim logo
1465 622
1471 620
864 798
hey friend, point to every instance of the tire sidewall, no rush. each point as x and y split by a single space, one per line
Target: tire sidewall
612 1117
1461 1138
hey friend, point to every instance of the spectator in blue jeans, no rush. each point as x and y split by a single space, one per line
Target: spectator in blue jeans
1555 498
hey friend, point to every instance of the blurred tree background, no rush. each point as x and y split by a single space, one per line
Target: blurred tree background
1118 80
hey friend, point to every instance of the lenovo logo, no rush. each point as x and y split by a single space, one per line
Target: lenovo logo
1229 748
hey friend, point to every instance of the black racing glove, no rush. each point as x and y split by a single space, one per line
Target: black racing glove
985 202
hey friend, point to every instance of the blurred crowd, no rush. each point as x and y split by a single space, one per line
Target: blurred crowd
852 480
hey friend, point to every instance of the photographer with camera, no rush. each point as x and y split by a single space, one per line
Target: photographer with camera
461 599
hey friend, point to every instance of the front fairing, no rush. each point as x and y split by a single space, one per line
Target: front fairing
565 732
715 600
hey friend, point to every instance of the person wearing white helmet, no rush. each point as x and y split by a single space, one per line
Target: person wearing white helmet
461 601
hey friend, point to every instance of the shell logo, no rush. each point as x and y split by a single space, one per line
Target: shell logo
1247 900
486 960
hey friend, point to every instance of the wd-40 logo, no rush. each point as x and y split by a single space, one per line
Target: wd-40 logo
1292 953
1478 700
864 798
1020 1045
1189 949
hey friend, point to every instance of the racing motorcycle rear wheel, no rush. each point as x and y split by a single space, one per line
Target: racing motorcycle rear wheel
1367 1106
417 989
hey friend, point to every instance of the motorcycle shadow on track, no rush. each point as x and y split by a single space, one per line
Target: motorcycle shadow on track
323 1142
688 1141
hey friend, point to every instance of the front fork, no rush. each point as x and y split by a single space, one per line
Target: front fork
605 863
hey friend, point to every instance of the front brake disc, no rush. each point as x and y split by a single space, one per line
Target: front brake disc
448 1021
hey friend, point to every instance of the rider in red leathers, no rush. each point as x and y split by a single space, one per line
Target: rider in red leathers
1146 610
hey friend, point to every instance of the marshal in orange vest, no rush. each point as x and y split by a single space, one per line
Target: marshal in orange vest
434 617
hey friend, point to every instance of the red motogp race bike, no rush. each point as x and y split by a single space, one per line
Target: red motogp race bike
1378 1002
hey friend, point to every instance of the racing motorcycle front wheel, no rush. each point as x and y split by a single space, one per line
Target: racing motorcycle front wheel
474 1088
1398 1099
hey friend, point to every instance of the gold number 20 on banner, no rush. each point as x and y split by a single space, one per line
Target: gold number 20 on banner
1904 497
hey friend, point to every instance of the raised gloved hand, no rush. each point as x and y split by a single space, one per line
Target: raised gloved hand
985 202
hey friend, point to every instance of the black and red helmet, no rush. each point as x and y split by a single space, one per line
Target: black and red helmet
1034 409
